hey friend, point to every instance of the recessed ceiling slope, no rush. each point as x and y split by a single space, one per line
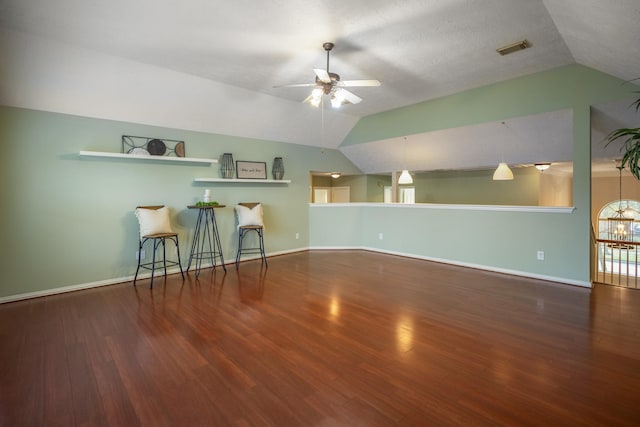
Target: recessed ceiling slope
420 50
546 137
603 35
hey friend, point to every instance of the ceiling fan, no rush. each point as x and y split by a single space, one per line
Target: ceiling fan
327 83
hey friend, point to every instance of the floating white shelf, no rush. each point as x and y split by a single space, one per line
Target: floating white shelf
252 181
154 158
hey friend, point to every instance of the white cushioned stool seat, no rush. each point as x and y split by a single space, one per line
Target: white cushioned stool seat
155 226
250 219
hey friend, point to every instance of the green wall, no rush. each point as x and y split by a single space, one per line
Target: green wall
68 220
565 87
448 187
478 188
503 241
507 240
375 187
359 186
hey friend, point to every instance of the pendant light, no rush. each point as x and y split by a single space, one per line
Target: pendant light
620 227
502 172
405 176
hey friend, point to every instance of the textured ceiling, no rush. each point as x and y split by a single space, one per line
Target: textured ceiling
419 50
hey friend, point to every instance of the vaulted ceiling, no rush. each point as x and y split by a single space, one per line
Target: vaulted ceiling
419 50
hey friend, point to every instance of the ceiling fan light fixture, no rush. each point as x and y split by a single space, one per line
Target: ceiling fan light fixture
316 93
316 96
336 102
328 83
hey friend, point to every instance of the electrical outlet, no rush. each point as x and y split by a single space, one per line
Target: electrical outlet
297 236
380 236
140 255
540 255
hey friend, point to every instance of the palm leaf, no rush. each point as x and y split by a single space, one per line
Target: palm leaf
630 138
636 104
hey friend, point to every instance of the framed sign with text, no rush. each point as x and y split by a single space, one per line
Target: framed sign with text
251 170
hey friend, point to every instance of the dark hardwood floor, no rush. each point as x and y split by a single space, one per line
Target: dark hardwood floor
325 338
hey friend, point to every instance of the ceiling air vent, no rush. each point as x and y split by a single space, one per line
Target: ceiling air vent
513 47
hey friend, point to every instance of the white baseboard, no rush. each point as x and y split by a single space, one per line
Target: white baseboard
81 286
116 280
463 264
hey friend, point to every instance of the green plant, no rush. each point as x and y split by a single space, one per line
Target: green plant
206 204
631 141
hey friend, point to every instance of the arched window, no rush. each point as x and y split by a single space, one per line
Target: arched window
615 217
618 248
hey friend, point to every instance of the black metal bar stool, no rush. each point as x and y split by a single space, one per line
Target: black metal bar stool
155 227
250 219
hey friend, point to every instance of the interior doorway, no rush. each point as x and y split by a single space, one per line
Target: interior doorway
331 194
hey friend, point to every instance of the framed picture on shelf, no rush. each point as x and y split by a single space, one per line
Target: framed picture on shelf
251 170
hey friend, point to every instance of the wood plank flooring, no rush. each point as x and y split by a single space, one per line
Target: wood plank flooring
325 338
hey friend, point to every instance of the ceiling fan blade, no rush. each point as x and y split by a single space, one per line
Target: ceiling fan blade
358 83
351 98
296 85
322 75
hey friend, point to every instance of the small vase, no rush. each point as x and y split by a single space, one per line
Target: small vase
278 168
226 166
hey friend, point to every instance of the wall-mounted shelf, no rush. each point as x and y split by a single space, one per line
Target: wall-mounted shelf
153 158
251 181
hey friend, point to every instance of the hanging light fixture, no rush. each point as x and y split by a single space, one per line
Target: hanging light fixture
620 228
405 176
316 96
542 166
337 98
502 172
